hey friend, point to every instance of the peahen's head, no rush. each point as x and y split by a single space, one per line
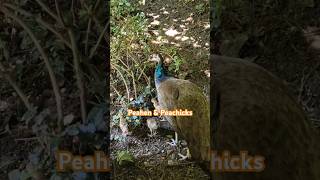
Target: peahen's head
160 72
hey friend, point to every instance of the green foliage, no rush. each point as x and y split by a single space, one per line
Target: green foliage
200 8
120 9
124 158
177 60
129 48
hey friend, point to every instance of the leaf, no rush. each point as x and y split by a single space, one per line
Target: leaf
41 116
68 119
27 116
124 157
89 128
72 130
96 116
14 174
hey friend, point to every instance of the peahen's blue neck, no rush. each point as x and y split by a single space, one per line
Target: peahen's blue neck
160 74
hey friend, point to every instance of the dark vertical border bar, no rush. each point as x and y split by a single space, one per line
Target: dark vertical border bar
107 76
215 37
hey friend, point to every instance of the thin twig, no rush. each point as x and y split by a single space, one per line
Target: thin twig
99 40
46 8
20 10
141 70
124 80
87 36
115 90
72 12
40 21
96 5
46 61
80 84
89 26
59 35
59 13
14 85
134 85
27 139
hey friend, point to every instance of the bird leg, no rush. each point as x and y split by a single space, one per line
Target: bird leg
174 142
184 157
152 133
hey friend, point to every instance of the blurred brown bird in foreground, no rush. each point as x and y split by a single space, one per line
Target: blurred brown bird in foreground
153 125
123 124
252 110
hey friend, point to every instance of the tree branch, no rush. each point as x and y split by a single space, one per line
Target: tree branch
76 65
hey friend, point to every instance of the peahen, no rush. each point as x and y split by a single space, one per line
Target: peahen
178 94
253 110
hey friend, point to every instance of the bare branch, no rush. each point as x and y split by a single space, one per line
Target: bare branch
87 36
80 84
59 13
14 85
99 40
40 21
46 8
47 64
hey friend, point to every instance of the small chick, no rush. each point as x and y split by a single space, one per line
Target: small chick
156 104
123 124
153 125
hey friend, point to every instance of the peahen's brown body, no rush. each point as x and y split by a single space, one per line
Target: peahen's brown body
182 94
252 110
175 94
